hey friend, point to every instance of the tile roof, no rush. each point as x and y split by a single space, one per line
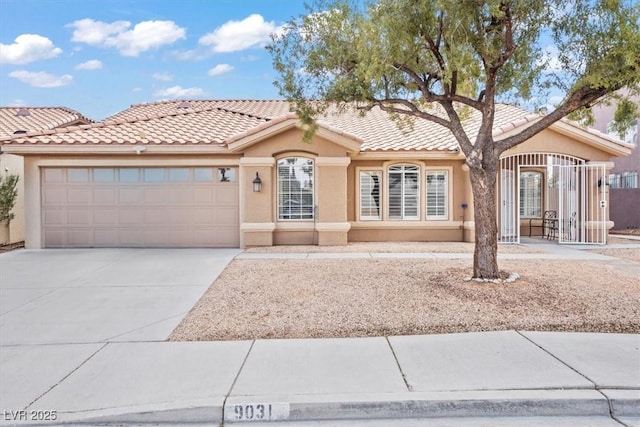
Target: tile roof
34 119
204 126
219 122
268 109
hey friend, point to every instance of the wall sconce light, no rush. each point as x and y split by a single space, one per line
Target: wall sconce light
602 182
257 184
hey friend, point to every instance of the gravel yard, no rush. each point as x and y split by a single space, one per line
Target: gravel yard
299 298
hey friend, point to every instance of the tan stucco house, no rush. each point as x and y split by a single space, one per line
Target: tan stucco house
18 121
215 173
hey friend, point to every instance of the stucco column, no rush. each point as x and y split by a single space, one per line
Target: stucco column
331 200
256 208
468 224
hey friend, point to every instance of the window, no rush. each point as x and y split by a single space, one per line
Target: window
629 180
531 194
103 175
129 174
226 175
614 180
370 182
295 188
203 174
178 174
403 186
437 194
77 175
153 175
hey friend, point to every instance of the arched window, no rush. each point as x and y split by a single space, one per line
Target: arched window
295 188
403 185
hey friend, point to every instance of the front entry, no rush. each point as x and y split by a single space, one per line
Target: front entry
558 197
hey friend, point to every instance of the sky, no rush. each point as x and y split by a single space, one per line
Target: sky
100 56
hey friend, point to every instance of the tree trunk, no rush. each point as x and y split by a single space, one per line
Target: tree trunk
483 185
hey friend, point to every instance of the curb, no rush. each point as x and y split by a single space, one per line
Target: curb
409 405
507 403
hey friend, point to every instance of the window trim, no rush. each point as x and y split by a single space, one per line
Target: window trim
305 156
449 192
542 193
383 181
420 171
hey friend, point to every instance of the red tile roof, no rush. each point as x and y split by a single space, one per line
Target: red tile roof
219 122
37 119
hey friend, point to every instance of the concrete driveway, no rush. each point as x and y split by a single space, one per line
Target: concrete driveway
84 296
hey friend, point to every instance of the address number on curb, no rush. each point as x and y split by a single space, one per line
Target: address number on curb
257 412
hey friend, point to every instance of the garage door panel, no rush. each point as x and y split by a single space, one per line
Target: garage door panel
180 195
54 217
105 237
54 238
79 238
129 196
227 196
130 237
79 195
137 207
79 217
130 217
157 216
105 216
203 195
155 196
56 196
104 196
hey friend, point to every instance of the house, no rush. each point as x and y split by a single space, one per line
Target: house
229 173
623 178
16 121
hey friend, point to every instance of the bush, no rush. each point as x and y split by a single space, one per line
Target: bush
8 195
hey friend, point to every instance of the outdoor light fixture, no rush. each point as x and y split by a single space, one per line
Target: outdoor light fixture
257 184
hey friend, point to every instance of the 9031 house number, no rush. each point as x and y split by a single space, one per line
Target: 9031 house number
260 411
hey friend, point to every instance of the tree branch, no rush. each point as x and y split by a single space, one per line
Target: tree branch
580 98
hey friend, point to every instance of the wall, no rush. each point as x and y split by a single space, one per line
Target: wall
624 202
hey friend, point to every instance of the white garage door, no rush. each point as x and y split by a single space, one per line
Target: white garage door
140 207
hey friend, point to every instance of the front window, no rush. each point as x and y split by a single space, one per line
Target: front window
437 192
531 194
614 180
370 182
630 180
403 186
295 188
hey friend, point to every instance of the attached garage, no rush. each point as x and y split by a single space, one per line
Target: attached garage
139 207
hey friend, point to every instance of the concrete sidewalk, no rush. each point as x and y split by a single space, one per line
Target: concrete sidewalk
489 374
73 349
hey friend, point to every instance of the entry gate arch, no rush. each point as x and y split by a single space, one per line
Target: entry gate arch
573 188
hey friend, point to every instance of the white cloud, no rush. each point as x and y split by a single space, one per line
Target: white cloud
550 59
17 103
240 35
136 89
92 64
179 92
28 48
220 69
143 36
41 79
163 77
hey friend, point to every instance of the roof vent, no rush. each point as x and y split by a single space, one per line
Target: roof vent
23 112
184 104
20 132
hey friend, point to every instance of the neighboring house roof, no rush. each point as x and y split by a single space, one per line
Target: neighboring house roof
37 119
218 123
